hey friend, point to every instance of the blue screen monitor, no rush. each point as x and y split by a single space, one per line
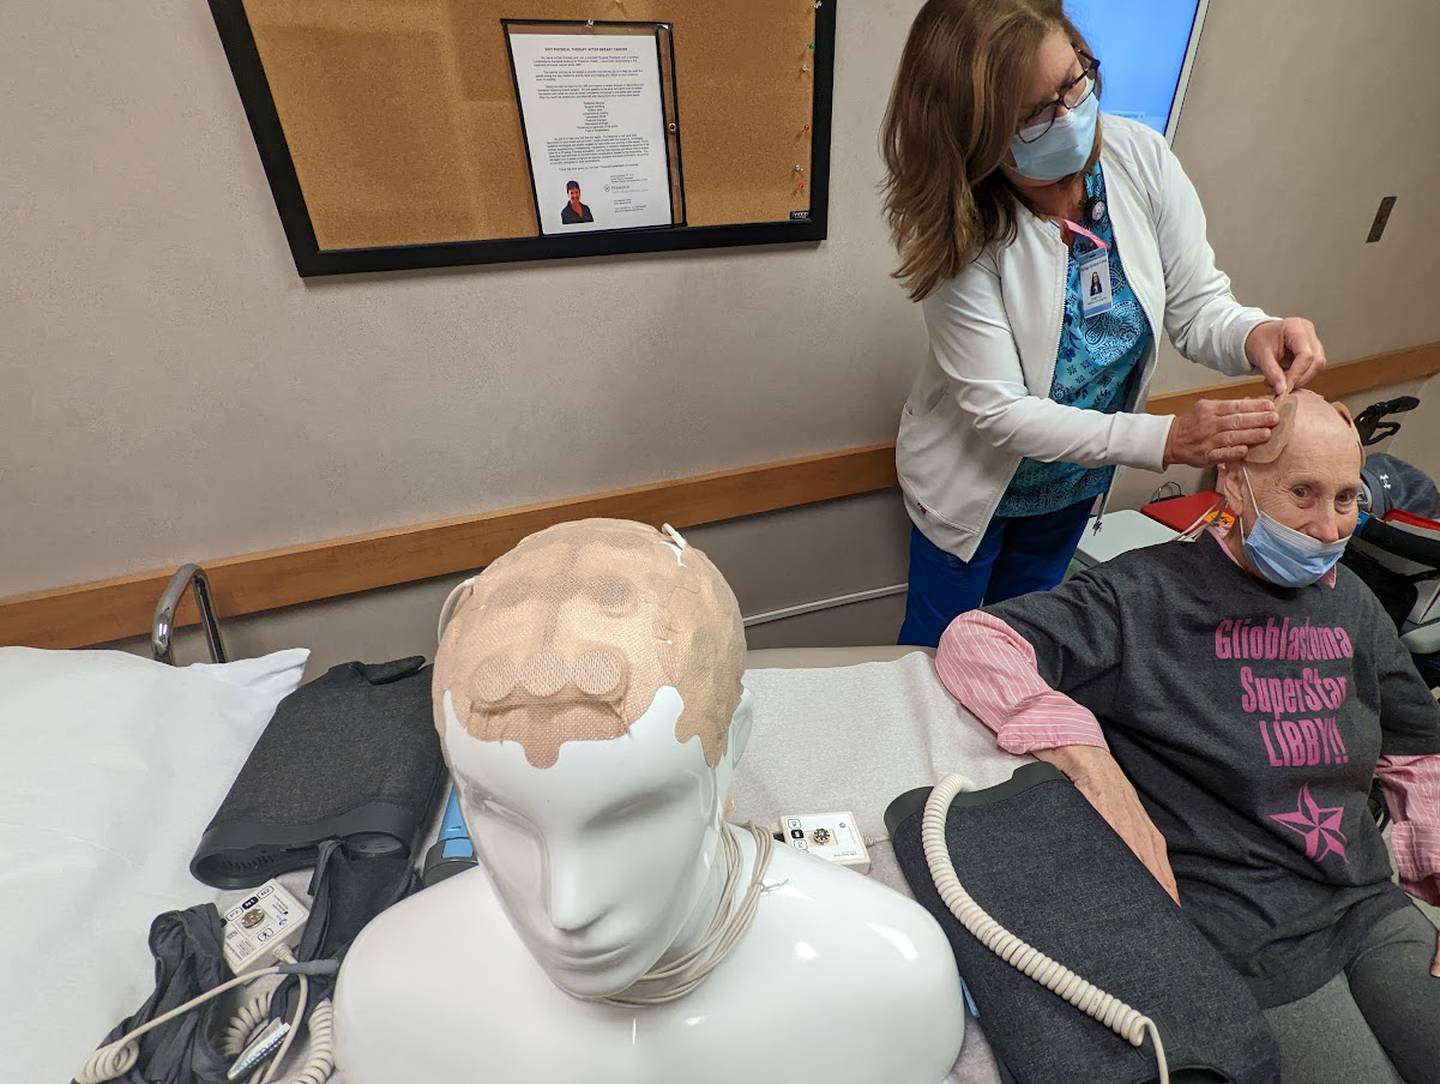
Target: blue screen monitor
1144 48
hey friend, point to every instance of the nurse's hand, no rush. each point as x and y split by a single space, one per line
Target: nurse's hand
1219 431
1435 967
1097 776
1287 353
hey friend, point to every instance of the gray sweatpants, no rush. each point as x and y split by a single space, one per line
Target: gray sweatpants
1377 1022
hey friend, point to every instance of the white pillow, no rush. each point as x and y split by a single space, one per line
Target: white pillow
112 766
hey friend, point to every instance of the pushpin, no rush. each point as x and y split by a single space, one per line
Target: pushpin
799 169
804 67
811 46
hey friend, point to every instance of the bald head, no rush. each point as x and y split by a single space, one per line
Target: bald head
1307 475
1309 425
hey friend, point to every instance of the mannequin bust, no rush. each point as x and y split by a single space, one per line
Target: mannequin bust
587 692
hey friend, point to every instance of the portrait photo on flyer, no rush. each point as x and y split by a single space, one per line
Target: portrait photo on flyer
592 106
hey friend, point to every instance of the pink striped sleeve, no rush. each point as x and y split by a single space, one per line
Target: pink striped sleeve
990 668
1412 791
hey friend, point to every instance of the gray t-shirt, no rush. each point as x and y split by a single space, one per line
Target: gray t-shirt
1249 718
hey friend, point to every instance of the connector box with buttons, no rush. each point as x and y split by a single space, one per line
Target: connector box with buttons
261 926
834 837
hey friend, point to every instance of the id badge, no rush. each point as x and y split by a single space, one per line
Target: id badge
1095 283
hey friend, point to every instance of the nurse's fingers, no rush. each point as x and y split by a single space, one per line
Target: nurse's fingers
1274 373
1435 967
1229 407
1236 428
1230 453
1302 362
1244 438
1303 345
1198 436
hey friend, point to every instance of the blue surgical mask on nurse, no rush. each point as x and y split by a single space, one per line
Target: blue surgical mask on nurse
1062 150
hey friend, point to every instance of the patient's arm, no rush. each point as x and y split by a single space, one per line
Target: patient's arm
1409 767
990 669
1412 792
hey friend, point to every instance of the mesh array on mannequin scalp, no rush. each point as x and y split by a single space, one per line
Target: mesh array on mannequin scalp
569 636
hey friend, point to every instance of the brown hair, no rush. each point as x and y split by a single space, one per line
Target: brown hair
955 105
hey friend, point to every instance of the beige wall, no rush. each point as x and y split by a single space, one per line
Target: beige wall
173 391
1300 116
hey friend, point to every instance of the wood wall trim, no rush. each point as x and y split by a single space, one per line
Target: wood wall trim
1334 382
106 610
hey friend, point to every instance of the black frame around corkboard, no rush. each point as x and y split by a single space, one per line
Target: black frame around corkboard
332 235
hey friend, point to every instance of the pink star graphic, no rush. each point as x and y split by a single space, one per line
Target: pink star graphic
1317 824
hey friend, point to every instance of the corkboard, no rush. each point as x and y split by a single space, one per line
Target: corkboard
401 119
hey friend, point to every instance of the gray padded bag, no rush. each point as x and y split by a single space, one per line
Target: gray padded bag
351 757
1035 854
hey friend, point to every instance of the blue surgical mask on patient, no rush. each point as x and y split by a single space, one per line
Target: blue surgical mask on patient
1064 149
1285 556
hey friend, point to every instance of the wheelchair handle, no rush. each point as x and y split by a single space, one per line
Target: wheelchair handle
1412 547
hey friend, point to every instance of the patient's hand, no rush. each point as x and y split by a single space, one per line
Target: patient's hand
1097 776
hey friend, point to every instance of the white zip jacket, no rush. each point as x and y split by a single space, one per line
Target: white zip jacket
982 401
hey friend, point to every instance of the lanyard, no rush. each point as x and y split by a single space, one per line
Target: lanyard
1080 230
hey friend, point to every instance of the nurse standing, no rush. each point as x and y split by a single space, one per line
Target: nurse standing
1048 251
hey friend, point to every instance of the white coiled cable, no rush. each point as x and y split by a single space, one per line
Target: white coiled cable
119 1057
252 1017
1031 962
249 1018
321 1062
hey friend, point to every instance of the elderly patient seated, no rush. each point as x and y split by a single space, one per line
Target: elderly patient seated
587 692
1225 704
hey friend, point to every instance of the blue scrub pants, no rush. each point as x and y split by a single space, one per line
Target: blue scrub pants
1017 555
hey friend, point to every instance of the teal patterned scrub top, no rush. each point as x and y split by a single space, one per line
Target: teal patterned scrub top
1098 357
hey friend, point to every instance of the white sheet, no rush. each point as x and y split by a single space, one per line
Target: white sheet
112 767
855 738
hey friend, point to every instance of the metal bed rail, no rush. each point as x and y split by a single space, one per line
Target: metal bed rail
162 628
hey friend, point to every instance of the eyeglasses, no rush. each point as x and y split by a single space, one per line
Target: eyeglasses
1071 95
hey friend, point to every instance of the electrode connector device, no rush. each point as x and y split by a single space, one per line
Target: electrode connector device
834 837
262 928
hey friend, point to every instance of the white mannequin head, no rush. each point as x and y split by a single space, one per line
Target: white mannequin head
592 788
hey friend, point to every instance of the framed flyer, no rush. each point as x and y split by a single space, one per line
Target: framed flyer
600 121
441 133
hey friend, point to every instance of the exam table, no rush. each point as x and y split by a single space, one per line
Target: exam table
834 728
857 755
